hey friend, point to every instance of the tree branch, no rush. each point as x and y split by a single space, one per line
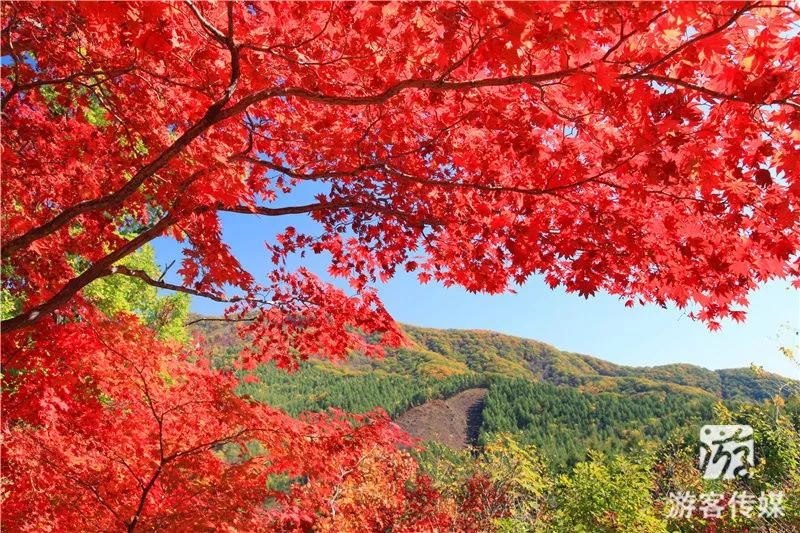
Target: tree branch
217 319
327 206
738 13
391 92
211 117
309 176
97 270
143 276
108 75
290 210
207 26
712 92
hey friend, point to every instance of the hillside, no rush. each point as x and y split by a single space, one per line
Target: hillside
436 354
463 387
495 353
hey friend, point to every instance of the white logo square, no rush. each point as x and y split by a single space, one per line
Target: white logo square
726 451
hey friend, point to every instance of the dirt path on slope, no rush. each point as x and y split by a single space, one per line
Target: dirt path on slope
454 422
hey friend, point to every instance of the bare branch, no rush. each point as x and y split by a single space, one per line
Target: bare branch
217 319
143 276
210 28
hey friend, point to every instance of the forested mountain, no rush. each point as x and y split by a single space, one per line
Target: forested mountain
490 352
564 423
435 355
563 403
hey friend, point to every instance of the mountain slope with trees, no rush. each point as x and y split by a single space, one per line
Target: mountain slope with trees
437 355
564 403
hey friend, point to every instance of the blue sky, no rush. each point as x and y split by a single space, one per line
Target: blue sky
601 326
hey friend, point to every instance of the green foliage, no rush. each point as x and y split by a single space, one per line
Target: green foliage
743 383
317 386
492 353
777 456
124 294
437 353
607 496
448 468
10 304
522 474
515 471
563 423
777 451
622 493
50 96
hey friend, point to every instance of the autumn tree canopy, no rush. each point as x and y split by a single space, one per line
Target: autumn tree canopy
648 151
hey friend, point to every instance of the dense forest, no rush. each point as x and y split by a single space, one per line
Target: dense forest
565 423
638 491
566 405
316 388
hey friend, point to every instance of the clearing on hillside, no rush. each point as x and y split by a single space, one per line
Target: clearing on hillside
454 422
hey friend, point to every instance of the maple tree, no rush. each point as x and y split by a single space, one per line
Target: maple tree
647 151
108 427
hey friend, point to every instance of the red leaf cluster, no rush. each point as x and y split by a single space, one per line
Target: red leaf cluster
638 150
106 428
